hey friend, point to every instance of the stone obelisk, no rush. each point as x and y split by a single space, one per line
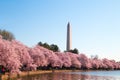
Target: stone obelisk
68 47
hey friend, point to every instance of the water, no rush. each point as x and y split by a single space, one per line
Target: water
84 75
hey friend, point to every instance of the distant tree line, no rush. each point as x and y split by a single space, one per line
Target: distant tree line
52 47
75 51
55 48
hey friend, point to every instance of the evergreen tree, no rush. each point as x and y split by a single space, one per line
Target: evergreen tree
52 47
6 35
75 50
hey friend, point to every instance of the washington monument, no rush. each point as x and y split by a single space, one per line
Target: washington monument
68 45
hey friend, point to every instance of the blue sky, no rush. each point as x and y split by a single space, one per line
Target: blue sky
95 24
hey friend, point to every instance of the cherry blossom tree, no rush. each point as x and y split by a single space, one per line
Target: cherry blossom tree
108 64
23 53
8 58
51 58
37 56
85 63
45 57
74 60
65 58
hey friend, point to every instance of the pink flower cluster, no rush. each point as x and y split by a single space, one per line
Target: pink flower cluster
14 56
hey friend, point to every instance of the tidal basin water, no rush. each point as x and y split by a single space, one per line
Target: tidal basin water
76 75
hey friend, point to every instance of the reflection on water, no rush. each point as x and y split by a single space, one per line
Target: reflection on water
67 76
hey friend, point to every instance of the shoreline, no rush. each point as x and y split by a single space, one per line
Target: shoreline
30 73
